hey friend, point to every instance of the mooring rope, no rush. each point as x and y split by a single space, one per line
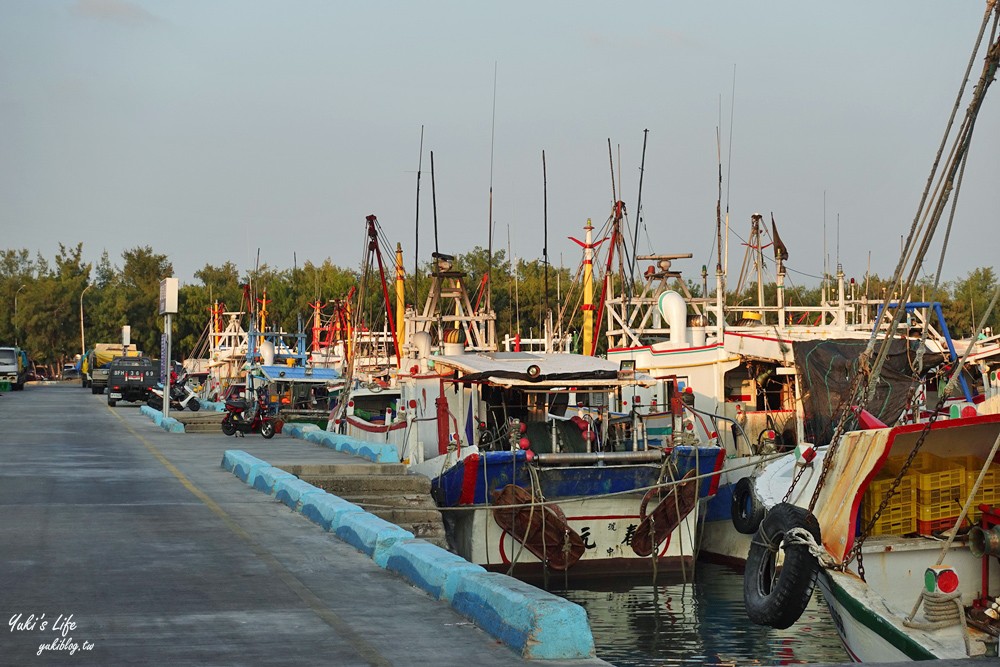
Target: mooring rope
942 610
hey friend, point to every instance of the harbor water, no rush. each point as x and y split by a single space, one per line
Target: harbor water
636 623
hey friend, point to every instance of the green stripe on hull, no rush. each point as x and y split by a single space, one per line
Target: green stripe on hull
869 619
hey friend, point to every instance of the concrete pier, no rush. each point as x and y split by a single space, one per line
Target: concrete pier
135 546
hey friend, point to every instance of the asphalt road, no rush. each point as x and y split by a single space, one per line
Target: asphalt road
123 544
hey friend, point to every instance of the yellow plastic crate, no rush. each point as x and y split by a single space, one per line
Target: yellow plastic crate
937 480
900 515
989 489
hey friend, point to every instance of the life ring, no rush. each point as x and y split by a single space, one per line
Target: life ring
747 511
777 597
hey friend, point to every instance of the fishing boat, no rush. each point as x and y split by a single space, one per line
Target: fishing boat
899 525
559 482
532 469
900 583
753 378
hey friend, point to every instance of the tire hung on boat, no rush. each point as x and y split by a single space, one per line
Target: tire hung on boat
776 596
746 510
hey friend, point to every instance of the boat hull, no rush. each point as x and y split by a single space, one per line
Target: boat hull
869 636
606 524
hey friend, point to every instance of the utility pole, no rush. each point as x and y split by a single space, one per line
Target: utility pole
83 342
16 328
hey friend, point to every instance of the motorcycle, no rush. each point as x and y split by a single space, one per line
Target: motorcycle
243 416
181 395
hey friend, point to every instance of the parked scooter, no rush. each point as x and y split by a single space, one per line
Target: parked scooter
243 416
181 395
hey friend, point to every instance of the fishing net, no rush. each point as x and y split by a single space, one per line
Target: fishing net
826 368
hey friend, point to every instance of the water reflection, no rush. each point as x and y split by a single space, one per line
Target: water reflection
700 623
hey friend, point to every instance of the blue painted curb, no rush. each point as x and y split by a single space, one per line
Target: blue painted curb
239 462
376 452
535 623
327 510
168 424
371 535
171 425
538 624
212 406
292 491
429 567
264 478
298 430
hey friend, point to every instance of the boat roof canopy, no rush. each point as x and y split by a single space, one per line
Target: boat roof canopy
299 374
553 370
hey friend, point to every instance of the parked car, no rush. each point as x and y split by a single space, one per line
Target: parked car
70 372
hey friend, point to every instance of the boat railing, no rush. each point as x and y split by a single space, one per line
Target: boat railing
734 426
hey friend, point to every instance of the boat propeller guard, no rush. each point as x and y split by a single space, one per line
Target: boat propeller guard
656 526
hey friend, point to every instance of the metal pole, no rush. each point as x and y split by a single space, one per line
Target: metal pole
83 344
166 380
16 330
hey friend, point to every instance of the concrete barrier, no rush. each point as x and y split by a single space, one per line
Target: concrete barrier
239 462
373 451
168 424
264 478
212 406
535 623
155 415
171 425
293 491
298 430
429 567
370 534
327 510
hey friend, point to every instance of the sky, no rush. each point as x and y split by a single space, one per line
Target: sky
211 129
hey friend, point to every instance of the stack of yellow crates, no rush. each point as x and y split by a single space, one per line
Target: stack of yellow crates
989 489
941 490
900 515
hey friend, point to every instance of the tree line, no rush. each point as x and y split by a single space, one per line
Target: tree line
44 298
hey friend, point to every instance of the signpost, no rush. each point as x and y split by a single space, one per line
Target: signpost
168 307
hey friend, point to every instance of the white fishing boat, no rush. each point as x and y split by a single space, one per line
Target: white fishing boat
899 525
755 379
532 469
899 589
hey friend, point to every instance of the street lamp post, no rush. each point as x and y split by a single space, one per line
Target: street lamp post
15 313
83 344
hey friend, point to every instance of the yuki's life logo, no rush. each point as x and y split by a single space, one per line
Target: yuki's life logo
59 629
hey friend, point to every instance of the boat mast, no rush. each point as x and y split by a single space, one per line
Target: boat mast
400 301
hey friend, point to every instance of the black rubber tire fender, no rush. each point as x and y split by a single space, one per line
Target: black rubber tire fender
746 509
267 429
777 597
194 405
227 426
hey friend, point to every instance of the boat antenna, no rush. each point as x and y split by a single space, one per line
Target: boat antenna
826 267
416 240
545 228
729 166
493 125
510 311
718 202
611 162
638 206
434 205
